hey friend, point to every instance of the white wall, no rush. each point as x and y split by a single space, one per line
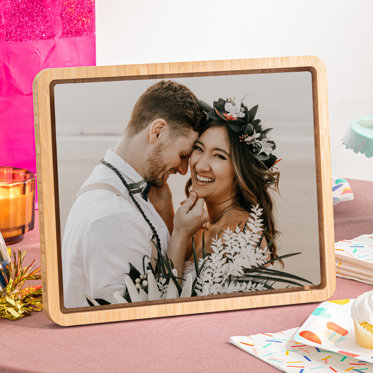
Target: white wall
340 32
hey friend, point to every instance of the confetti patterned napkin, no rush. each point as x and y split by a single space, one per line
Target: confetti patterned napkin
354 258
288 355
331 327
341 191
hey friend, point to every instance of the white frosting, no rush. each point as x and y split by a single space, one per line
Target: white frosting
362 308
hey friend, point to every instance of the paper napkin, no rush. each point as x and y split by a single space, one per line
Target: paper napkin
283 352
354 258
331 327
341 191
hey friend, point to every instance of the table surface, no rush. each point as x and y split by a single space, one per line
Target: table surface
196 343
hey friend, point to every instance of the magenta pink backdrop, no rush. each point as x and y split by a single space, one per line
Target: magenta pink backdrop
35 35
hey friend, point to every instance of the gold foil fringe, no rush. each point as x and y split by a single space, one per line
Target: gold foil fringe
15 301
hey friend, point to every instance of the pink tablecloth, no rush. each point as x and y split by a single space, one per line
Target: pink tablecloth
354 218
197 343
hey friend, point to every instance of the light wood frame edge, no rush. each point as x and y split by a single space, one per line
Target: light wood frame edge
44 158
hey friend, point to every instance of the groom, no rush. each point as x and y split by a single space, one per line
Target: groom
114 217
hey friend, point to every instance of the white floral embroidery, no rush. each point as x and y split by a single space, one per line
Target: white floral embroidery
231 256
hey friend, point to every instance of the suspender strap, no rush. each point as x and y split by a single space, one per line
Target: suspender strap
98 186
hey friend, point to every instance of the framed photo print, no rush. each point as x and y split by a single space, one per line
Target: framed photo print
181 188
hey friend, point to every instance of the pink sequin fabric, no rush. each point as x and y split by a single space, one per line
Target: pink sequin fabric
24 20
34 35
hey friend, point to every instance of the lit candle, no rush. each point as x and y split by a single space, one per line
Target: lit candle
17 203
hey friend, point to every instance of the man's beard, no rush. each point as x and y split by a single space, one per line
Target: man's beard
156 167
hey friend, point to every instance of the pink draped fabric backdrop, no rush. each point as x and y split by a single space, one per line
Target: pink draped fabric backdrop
35 35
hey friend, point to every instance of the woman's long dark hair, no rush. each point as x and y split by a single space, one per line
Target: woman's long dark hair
252 182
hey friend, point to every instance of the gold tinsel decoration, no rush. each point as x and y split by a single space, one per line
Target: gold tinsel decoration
16 301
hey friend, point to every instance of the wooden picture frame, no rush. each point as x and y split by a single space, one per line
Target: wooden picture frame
49 209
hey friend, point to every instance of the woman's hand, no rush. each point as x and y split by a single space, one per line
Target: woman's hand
188 219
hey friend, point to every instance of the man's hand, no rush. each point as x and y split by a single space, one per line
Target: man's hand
190 216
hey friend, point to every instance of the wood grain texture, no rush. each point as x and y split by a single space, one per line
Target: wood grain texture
49 237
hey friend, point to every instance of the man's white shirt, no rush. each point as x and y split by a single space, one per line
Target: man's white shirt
103 234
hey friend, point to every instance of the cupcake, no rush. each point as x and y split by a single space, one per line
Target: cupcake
362 314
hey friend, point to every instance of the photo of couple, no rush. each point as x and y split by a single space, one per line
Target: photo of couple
123 233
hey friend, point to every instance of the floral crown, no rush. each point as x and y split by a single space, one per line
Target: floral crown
242 121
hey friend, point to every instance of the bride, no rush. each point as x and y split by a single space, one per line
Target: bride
232 170
232 173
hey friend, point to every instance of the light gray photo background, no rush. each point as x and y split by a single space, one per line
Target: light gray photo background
91 117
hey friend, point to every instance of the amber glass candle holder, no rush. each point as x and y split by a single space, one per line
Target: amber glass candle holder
17 203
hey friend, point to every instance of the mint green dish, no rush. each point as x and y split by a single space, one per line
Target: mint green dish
359 136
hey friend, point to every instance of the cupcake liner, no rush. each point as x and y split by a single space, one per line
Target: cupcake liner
364 338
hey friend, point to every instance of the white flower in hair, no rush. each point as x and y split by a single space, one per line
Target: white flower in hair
234 111
252 138
266 146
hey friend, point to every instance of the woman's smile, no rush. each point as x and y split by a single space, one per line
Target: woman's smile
203 179
211 165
